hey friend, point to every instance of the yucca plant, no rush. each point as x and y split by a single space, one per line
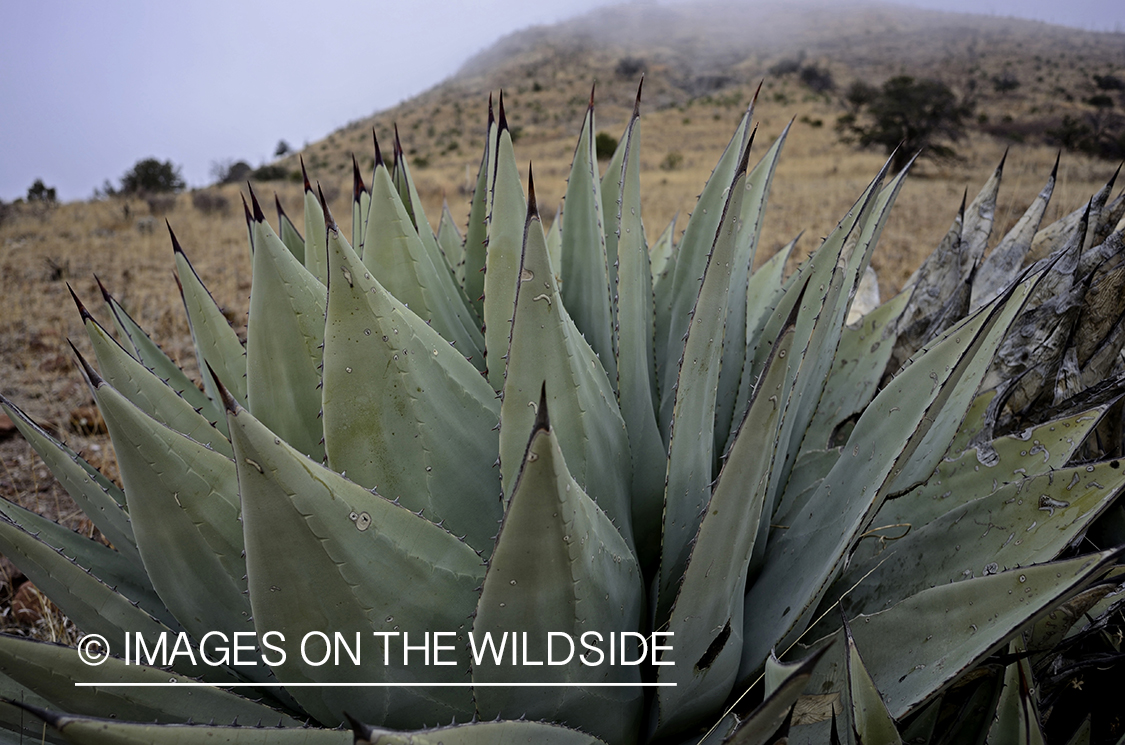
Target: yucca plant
802 528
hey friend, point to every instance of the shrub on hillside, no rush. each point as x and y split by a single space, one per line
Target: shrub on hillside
152 176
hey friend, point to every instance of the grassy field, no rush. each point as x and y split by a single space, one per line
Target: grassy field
546 90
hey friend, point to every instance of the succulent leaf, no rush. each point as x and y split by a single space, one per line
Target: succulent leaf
217 346
153 357
325 555
560 566
396 256
588 278
148 392
52 670
547 348
691 447
707 618
284 340
404 413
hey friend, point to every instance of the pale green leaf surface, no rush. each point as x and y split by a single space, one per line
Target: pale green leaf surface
154 358
547 348
404 413
284 337
559 566
98 497
396 255
52 670
707 618
636 363
587 283
148 392
691 413
324 554
504 249
216 344
183 504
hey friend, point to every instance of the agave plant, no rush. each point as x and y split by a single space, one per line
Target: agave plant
791 525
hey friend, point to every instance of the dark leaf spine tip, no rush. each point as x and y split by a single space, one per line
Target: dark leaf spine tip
503 121
593 87
50 717
398 143
1004 157
532 207
176 249
491 115
259 216
1055 170
105 293
81 308
277 203
245 208
542 418
378 152
228 400
637 102
304 173
756 92
90 373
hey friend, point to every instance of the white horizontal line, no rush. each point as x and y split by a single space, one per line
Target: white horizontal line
374 685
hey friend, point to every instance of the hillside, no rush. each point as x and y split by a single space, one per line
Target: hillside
701 63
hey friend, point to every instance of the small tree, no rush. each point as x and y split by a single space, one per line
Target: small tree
282 149
40 193
907 114
152 176
605 145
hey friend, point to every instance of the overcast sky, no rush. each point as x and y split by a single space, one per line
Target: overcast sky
89 88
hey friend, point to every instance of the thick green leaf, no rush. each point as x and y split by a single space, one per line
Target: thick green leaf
734 351
559 566
547 348
183 504
921 646
860 360
505 247
801 561
660 252
217 346
396 255
691 413
120 571
325 555
284 340
404 413
98 497
148 392
1017 714
677 300
154 358
451 243
636 363
864 709
476 233
1019 524
588 282
94 606
707 618
316 237
52 670
963 477
290 236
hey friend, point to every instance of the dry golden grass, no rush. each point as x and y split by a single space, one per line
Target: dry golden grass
442 132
